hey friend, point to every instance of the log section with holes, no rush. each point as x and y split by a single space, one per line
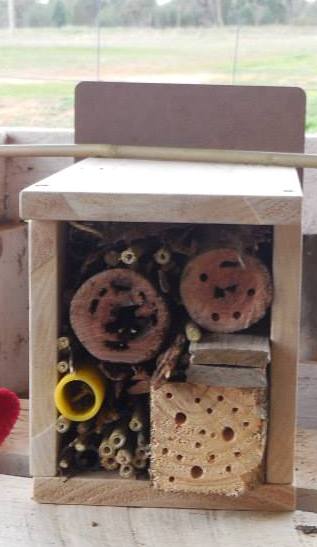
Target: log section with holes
207 436
119 316
224 291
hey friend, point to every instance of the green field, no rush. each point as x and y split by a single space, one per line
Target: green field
39 68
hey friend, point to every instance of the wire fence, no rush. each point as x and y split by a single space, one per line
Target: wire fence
39 68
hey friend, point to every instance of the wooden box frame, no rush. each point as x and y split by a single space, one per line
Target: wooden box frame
117 191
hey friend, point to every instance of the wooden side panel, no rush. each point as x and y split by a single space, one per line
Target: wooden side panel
44 291
14 369
94 490
285 344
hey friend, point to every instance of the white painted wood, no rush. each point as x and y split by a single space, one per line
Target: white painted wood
148 190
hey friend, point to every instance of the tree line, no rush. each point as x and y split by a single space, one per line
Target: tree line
174 13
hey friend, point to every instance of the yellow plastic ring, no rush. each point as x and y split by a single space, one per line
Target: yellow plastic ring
62 396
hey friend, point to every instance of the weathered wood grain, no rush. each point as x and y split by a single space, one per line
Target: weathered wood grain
231 349
139 493
14 369
287 254
119 190
45 261
244 377
25 523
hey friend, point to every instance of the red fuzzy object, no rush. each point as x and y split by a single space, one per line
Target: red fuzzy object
9 412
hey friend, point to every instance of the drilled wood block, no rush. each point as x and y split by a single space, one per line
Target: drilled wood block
207 440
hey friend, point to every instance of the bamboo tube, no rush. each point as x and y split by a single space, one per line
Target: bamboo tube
136 423
193 332
126 471
123 456
118 437
143 452
109 463
62 424
62 367
63 343
139 463
278 159
106 450
162 256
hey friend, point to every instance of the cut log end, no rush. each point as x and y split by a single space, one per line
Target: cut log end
224 291
118 316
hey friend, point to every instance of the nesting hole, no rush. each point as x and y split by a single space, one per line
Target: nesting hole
235 409
228 468
209 410
220 397
203 277
180 418
171 479
237 454
246 424
251 292
215 316
211 458
198 445
230 264
202 432
169 395
227 434
165 451
236 315
179 457
213 435
197 400
196 472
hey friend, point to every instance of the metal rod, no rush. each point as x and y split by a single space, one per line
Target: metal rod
278 159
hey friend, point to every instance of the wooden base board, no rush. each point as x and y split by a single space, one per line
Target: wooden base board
93 490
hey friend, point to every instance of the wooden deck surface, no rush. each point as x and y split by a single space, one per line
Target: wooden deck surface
24 523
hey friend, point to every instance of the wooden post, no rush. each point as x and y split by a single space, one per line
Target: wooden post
44 263
285 343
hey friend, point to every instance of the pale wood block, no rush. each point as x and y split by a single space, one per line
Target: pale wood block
207 440
44 323
21 172
14 307
236 377
284 350
119 190
93 490
231 349
14 452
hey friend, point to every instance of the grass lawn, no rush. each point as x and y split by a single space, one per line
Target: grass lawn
39 68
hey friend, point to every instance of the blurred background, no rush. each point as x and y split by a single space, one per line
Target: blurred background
47 46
